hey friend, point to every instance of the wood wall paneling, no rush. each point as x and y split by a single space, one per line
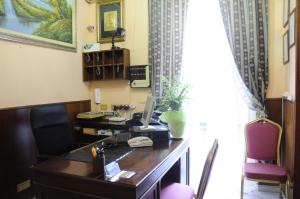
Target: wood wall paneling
74 108
289 123
274 110
296 187
18 150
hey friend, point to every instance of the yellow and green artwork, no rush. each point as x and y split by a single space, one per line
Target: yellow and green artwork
110 21
109 18
50 21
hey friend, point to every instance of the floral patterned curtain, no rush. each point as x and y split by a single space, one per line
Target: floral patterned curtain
166 28
246 24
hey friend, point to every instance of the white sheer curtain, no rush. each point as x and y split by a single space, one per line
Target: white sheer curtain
216 107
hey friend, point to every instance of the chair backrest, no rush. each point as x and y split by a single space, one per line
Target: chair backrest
51 129
263 140
207 169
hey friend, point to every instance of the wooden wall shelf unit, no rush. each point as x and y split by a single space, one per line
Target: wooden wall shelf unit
106 65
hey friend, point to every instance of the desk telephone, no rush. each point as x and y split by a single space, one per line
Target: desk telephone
140 141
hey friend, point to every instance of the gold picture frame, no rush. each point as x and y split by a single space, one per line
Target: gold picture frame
110 16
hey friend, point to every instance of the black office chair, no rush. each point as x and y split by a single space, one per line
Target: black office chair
182 191
52 131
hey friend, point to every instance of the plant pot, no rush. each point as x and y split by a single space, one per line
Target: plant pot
176 122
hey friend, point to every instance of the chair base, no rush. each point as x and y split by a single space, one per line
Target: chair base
287 185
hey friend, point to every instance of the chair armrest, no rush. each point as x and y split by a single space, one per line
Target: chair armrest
80 144
85 138
44 157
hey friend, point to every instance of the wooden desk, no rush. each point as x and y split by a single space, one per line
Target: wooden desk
60 178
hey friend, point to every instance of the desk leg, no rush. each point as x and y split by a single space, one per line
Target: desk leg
188 167
185 168
158 188
180 171
153 192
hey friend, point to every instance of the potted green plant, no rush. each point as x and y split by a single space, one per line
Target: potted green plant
171 104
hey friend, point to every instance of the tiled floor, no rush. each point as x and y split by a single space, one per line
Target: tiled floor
251 192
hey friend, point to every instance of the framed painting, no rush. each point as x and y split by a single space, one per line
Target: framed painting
292 5
39 22
110 16
292 29
286 54
286 12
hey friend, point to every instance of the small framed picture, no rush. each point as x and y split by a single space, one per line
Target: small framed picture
292 5
286 12
286 54
110 16
292 29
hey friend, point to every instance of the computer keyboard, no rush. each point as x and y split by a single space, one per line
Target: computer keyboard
91 115
116 119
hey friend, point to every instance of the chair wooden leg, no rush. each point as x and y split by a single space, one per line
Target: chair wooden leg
287 189
242 187
281 192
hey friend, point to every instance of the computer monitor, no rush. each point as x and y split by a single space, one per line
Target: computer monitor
148 110
146 119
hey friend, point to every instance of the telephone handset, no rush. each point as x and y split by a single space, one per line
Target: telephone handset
136 120
140 141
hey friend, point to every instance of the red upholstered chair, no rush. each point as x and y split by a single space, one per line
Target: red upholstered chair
181 191
262 144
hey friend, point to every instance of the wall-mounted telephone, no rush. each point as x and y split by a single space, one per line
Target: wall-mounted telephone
97 96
